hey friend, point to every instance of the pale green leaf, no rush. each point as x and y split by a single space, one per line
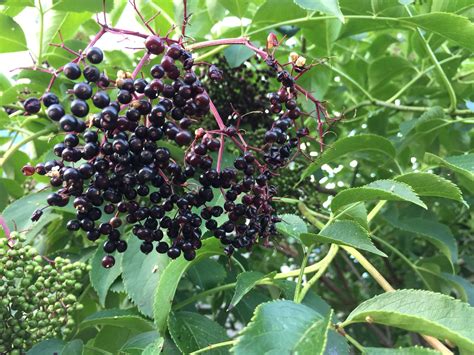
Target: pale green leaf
415 350
117 317
246 281
349 145
330 7
12 38
291 225
426 184
378 190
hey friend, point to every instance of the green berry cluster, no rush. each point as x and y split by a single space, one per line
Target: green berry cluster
37 296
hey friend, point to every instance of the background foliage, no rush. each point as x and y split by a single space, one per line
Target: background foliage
398 74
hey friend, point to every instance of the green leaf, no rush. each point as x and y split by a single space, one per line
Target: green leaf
455 28
192 331
464 287
12 38
384 69
436 233
415 350
356 213
200 276
18 214
420 311
291 225
349 145
266 12
102 278
154 348
117 317
141 274
426 184
284 327
378 190
236 7
169 280
139 342
246 281
236 55
462 164
57 346
345 233
330 7
83 5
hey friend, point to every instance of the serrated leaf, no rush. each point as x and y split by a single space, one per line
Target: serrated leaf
345 233
330 7
57 346
420 311
462 164
12 38
349 145
170 277
139 342
117 318
415 350
378 190
140 275
102 278
246 281
284 327
154 348
193 331
291 225
426 184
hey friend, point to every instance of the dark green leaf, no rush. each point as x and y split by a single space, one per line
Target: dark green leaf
246 281
193 331
416 350
168 282
236 55
102 278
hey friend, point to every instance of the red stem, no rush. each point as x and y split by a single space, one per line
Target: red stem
140 65
4 225
220 154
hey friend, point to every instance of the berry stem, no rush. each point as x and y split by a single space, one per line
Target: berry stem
140 65
220 154
8 234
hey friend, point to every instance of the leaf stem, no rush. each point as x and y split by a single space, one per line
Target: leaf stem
325 262
214 346
306 251
439 69
375 210
8 154
41 34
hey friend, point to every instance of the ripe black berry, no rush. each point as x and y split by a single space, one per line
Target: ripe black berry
154 44
95 55
32 105
72 71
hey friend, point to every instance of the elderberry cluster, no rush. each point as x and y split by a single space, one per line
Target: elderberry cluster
37 297
117 170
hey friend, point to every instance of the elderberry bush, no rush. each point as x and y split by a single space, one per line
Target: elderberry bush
116 169
37 297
